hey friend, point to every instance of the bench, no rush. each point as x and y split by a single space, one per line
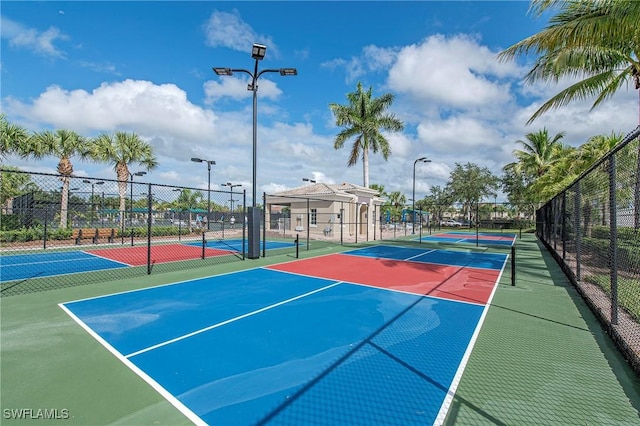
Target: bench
93 234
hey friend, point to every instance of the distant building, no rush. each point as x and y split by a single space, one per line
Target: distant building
321 208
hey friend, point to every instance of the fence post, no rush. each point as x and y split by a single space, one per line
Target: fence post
149 220
578 232
513 265
564 225
341 222
613 241
45 236
356 217
308 222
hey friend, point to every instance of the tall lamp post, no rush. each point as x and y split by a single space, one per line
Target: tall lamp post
93 184
413 207
258 52
209 163
131 202
231 186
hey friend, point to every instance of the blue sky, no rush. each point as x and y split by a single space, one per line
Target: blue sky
145 67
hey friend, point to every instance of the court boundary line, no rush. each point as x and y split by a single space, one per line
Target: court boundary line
144 376
455 382
230 320
106 258
432 263
38 277
171 283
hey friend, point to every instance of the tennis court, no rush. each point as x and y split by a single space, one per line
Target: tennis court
36 265
237 244
382 332
484 238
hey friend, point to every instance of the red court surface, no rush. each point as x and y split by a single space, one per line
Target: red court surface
137 255
450 282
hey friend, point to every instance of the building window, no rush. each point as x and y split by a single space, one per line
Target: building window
314 216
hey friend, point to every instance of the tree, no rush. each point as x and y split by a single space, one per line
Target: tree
538 154
12 183
515 185
13 139
62 144
362 119
470 183
597 40
380 189
396 203
188 200
439 200
122 149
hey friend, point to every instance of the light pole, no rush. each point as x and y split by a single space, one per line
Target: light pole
308 180
131 202
257 52
413 207
93 184
231 186
209 163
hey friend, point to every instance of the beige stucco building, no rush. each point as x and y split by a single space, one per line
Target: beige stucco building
324 210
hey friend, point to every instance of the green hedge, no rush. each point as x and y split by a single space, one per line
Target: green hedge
629 235
35 234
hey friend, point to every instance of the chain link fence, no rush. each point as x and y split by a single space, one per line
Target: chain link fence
316 222
593 231
54 229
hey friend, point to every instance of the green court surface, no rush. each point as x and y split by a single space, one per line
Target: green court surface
541 357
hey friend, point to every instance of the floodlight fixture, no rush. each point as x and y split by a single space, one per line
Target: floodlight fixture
258 51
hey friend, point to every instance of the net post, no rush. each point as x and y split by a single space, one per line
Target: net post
513 265
297 245
204 243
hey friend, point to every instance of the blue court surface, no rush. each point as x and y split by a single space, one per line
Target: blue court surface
436 257
264 346
236 244
483 238
36 265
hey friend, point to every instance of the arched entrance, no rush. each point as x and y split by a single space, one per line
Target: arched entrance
362 219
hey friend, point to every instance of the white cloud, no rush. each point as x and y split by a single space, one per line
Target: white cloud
462 135
227 29
236 88
455 72
371 59
138 105
40 42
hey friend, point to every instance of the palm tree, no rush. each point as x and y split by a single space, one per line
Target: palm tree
188 200
13 139
397 200
122 149
12 184
363 118
538 153
62 144
594 39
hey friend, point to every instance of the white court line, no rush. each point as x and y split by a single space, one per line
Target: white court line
446 404
77 259
211 327
155 385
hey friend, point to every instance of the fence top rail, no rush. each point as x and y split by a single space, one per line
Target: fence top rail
157 185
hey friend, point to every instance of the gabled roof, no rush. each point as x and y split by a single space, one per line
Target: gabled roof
325 191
